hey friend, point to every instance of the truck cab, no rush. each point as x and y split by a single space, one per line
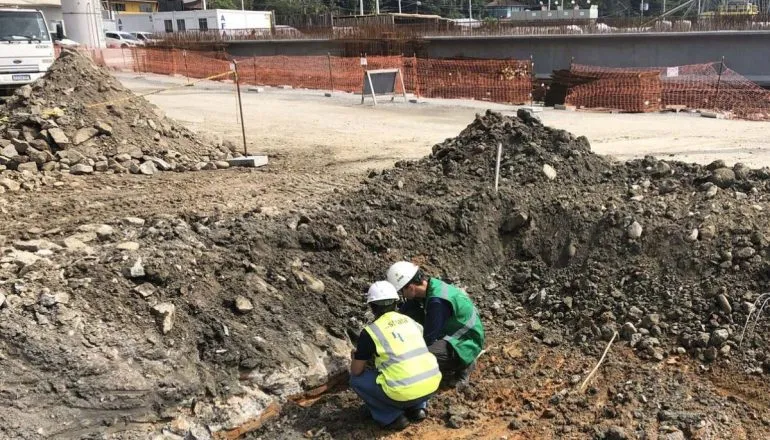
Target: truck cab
26 47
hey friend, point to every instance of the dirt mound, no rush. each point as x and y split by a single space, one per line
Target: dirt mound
190 322
80 119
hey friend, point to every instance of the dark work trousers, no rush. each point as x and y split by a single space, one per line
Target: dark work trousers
449 362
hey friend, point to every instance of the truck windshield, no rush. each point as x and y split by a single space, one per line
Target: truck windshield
22 26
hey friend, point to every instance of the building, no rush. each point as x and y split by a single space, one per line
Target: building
129 7
51 9
503 9
509 10
211 19
128 22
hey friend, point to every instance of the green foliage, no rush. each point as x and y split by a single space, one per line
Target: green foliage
222 4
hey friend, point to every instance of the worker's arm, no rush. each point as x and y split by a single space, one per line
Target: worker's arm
361 354
437 313
414 310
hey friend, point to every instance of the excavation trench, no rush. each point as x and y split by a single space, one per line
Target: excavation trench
223 320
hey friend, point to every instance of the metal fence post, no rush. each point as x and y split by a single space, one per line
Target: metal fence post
719 81
532 79
186 72
331 76
255 70
240 106
414 73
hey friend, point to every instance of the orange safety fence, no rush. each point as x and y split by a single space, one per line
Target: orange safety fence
312 72
192 64
506 81
710 86
636 90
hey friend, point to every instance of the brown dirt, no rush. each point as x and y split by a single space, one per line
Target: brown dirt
96 361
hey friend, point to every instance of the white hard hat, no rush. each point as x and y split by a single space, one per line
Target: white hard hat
399 274
381 290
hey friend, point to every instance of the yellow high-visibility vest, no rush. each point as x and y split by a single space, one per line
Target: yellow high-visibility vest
407 369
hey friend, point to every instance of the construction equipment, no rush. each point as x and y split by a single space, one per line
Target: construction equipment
26 47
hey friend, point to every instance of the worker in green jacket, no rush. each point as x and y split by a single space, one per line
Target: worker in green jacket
452 326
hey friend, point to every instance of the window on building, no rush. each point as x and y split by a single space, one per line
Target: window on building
203 24
180 25
168 25
119 7
146 7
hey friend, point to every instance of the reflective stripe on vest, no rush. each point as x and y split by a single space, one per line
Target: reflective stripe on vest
411 354
414 379
444 294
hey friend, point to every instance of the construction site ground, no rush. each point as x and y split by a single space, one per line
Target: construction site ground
319 146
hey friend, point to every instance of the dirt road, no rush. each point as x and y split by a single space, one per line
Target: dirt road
342 133
319 144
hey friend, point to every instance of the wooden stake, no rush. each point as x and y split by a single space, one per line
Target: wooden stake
591 374
497 167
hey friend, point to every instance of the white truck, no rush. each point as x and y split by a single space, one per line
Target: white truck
26 47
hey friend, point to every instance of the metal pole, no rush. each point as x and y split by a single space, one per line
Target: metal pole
719 81
186 72
532 79
240 106
331 77
399 6
470 12
362 7
416 78
497 166
377 7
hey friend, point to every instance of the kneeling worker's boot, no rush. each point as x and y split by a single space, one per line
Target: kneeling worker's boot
416 414
399 424
463 377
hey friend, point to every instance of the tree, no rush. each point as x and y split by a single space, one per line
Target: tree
222 4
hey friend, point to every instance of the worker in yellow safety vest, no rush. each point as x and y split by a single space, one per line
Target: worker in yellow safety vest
406 374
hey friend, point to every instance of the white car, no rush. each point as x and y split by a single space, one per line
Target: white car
144 37
122 39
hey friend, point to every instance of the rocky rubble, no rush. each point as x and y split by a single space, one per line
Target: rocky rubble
78 119
208 321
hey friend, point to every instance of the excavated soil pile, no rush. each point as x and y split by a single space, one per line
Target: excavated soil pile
202 324
80 119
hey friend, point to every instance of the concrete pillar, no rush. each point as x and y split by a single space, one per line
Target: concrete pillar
83 21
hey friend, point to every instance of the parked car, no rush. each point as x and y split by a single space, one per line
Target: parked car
122 39
144 37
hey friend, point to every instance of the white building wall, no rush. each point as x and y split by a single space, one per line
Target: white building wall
134 22
216 19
